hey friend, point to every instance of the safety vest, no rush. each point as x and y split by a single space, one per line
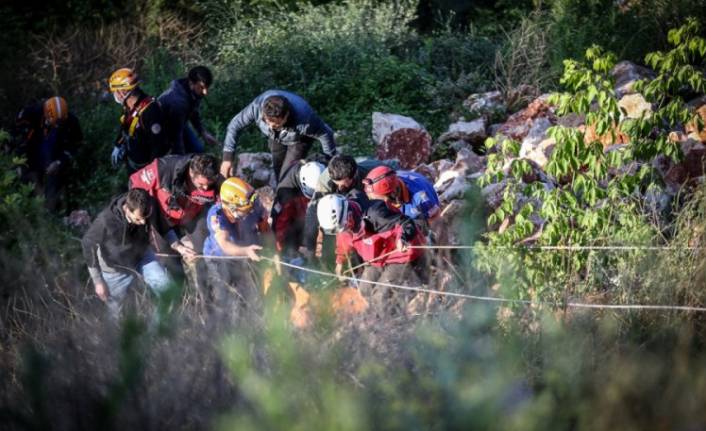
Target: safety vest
130 121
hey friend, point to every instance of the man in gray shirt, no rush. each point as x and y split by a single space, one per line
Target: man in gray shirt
290 124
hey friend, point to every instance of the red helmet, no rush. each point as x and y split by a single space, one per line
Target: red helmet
381 181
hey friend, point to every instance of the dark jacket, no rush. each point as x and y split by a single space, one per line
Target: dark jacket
31 138
180 106
289 209
121 244
166 179
303 125
146 139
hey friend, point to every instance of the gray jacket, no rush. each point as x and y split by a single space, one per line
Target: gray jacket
303 125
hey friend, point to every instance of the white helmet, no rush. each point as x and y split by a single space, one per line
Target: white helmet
332 212
309 176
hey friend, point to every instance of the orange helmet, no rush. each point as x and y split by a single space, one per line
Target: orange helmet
380 181
56 110
123 79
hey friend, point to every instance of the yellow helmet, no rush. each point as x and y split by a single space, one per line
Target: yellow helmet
55 110
238 195
123 79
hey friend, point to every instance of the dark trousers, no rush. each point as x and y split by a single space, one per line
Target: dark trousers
284 155
384 300
232 287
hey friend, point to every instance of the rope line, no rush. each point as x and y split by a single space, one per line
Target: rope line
556 247
463 295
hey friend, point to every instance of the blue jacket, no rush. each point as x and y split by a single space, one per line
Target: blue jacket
303 125
179 106
422 202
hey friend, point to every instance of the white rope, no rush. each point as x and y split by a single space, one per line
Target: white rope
462 295
555 247
202 256
495 299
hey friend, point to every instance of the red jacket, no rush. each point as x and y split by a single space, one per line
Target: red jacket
166 180
380 229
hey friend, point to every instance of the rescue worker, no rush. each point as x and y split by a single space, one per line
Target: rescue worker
382 237
184 187
117 244
48 136
180 104
292 196
235 225
290 124
412 193
142 137
344 176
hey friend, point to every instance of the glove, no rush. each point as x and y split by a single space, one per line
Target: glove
117 156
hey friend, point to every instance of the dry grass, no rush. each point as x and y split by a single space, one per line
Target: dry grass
77 62
521 66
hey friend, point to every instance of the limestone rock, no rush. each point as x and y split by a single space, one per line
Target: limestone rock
256 169
692 128
635 106
520 123
626 74
401 138
473 132
485 103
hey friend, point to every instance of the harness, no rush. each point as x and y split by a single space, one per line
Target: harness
131 120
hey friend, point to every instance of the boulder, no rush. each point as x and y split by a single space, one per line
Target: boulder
635 106
542 152
456 190
472 132
256 169
614 136
626 74
442 165
493 194
451 223
694 160
536 134
401 138
452 182
692 129
485 103
468 162
519 124
571 120
685 173
428 171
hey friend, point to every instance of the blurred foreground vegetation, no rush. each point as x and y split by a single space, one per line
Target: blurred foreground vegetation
480 365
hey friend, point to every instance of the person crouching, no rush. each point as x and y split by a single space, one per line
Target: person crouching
235 226
382 238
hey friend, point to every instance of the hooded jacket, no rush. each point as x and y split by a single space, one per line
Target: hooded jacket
112 243
180 106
